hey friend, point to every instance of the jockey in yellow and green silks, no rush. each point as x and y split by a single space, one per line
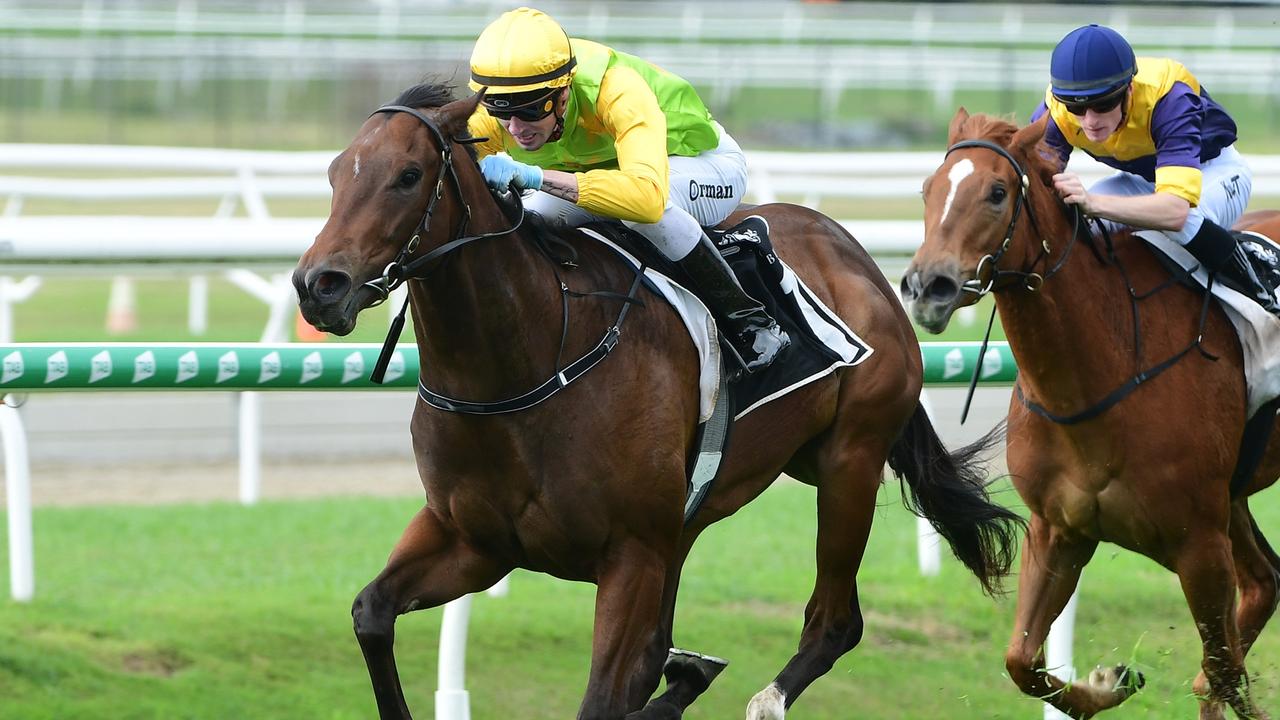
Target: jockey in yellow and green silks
595 133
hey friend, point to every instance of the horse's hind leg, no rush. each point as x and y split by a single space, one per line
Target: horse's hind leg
429 566
849 478
1258 572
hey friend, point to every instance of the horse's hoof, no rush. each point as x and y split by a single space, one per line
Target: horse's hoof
1118 679
694 669
768 704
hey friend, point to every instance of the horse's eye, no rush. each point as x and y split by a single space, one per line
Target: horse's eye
998 194
409 178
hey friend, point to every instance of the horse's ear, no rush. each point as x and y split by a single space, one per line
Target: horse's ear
1027 143
453 117
957 122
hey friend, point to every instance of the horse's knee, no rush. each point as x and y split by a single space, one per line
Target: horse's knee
372 614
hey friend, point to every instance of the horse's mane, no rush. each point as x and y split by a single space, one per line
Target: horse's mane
426 94
433 94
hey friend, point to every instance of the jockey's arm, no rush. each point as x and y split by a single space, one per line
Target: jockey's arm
1160 210
637 190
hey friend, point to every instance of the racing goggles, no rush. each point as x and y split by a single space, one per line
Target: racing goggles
1101 104
530 106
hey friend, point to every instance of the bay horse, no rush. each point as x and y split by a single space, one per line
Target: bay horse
590 484
1150 471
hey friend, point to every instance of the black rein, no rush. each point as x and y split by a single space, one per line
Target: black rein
1033 281
403 268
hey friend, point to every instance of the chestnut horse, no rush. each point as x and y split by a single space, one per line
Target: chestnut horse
590 484
1150 471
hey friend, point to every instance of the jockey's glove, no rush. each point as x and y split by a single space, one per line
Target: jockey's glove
501 171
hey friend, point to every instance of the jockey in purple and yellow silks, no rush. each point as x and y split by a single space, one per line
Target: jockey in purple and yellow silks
597 134
1149 118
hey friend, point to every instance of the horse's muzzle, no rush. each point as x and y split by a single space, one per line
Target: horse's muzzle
931 296
325 298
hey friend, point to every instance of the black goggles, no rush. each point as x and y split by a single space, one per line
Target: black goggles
506 107
1100 105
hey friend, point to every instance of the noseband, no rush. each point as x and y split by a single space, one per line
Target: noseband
989 263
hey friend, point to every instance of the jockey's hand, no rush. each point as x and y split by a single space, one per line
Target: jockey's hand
1071 189
501 171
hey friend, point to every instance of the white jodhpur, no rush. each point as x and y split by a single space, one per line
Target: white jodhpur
768 704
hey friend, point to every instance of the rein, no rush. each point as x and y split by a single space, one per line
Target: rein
402 269
1033 282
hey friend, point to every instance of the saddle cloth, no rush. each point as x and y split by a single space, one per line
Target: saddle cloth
821 342
1258 330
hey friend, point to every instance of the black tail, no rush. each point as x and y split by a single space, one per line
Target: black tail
949 490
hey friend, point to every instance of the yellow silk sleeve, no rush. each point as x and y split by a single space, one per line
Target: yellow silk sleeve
1181 181
637 190
482 124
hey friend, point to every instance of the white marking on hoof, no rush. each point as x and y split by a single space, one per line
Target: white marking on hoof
768 704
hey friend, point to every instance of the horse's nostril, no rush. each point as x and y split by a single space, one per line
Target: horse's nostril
942 289
330 285
909 288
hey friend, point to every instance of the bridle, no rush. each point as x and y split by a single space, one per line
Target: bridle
1033 281
402 268
988 265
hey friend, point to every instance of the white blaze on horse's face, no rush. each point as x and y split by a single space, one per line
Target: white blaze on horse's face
355 168
958 172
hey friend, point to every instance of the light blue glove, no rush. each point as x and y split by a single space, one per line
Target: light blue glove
501 171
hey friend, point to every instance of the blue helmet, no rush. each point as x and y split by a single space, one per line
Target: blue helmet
1091 62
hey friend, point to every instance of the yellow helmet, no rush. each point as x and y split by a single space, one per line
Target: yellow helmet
522 50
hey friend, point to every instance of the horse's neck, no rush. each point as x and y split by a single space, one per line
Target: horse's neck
1075 333
487 318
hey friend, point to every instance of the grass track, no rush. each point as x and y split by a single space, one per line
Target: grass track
220 611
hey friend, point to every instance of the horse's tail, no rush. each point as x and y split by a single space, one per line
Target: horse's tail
949 489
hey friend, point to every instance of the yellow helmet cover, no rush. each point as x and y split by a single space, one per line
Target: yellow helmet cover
522 50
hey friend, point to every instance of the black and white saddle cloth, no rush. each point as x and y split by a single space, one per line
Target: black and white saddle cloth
820 341
1258 330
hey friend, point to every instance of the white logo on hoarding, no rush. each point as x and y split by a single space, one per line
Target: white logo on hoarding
144 366
188 367
56 367
953 363
395 368
13 367
992 363
352 367
270 367
312 367
100 366
228 366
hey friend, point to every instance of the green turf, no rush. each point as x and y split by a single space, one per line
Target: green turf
220 611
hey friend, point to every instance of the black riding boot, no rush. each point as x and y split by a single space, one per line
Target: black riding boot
1217 248
754 335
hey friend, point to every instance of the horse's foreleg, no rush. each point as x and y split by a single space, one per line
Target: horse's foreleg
1051 565
429 566
688 674
628 609
848 483
1257 572
1208 578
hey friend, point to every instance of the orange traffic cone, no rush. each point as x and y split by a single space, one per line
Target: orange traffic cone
306 332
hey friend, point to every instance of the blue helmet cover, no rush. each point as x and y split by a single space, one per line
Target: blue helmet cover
1090 61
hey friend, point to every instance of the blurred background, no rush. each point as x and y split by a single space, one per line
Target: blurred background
301 74
161 168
